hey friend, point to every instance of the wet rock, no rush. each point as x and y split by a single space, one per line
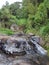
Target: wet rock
37 48
3 59
21 45
23 60
38 39
15 47
21 50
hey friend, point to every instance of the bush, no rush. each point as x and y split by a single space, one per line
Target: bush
41 15
22 22
44 30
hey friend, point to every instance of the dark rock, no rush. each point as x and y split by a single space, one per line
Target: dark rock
22 45
37 48
38 39
15 47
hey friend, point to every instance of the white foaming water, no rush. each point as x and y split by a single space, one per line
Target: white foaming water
40 50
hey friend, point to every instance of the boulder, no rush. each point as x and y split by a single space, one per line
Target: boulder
14 27
38 39
14 46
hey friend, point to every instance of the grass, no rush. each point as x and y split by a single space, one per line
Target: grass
6 31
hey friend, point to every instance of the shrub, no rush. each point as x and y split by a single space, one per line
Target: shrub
21 22
44 30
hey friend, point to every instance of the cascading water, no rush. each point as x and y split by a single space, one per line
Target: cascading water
38 48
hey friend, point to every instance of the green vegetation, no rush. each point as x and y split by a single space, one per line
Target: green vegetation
31 15
21 22
6 31
47 48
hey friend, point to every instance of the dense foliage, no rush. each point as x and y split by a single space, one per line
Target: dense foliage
32 14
